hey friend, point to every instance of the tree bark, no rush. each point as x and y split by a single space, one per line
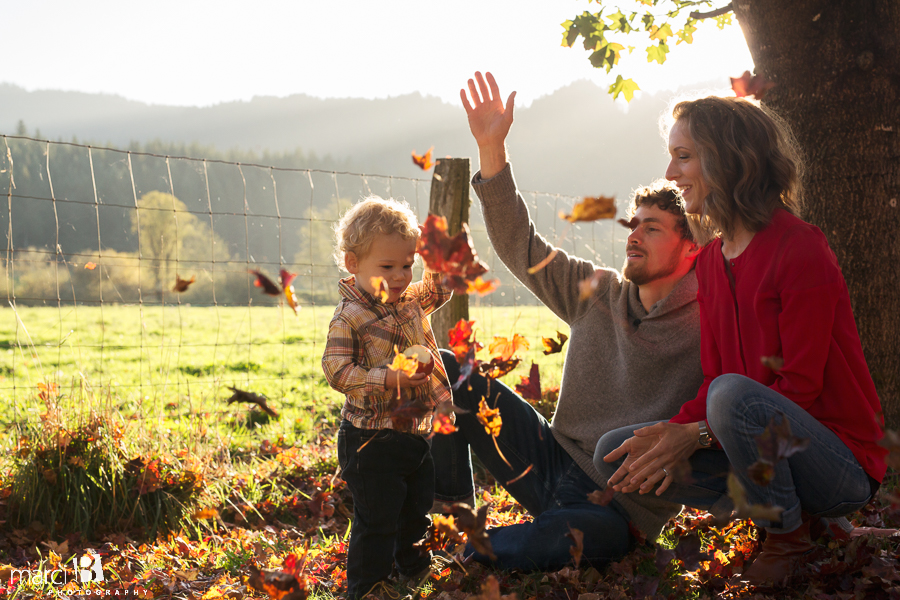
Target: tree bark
836 66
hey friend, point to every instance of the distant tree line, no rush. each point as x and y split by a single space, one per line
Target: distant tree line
143 219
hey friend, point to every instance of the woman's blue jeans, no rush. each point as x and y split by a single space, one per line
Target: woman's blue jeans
823 480
554 492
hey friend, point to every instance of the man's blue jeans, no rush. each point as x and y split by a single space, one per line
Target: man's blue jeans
391 477
825 480
554 492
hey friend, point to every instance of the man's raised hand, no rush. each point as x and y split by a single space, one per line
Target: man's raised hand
489 121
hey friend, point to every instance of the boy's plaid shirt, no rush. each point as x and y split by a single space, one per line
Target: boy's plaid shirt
360 346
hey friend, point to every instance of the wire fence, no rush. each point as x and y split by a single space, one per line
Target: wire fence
98 237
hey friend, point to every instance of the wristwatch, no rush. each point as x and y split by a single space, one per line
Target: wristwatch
705 436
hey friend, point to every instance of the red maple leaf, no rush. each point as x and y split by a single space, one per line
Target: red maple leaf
268 286
455 256
530 388
424 162
755 86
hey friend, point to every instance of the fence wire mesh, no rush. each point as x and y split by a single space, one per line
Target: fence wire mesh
96 238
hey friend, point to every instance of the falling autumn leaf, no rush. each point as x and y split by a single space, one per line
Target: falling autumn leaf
577 547
403 363
461 338
424 162
181 285
454 257
482 286
587 287
251 398
773 362
404 414
520 475
441 532
444 418
268 286
777 442
289 294
497 367
490 418
552 346
630 224
601 498
751 85
743 509
530 386
473 524
591 209
90 266
382 293
504 348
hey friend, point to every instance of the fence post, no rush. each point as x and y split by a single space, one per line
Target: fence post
450 199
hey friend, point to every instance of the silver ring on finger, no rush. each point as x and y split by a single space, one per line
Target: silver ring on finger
665 471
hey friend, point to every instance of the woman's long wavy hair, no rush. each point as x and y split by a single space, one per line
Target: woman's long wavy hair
750 161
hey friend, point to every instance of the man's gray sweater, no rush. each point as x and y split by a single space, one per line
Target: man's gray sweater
623 365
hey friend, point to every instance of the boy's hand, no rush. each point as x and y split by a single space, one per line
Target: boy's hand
406 381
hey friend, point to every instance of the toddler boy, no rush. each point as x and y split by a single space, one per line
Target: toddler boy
387 464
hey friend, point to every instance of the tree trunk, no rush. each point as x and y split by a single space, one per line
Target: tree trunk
450 199
836 66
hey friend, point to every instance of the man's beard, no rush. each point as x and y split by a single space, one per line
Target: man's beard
641 275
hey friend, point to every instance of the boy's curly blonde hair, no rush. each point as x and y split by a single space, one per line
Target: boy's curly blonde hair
366 219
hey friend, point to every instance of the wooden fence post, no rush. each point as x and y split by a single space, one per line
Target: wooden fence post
450 199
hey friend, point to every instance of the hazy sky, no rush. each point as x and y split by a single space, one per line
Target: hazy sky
201 52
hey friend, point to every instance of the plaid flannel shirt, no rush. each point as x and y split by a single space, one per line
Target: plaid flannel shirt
360 346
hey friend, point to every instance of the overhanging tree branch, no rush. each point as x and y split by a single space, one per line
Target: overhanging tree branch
713 13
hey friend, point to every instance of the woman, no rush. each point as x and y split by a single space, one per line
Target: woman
778 341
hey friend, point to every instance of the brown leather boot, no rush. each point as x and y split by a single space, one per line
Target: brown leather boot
781 553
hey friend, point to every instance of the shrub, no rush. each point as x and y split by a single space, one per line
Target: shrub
81 480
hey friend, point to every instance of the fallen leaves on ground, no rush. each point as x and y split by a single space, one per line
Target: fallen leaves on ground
289 540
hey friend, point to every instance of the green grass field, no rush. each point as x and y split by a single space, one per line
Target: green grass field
163 366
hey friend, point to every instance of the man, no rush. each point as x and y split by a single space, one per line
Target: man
633 353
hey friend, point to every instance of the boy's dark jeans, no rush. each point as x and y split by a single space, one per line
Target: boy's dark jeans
392 483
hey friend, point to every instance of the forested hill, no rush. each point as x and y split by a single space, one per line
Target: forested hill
144 219
575 141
